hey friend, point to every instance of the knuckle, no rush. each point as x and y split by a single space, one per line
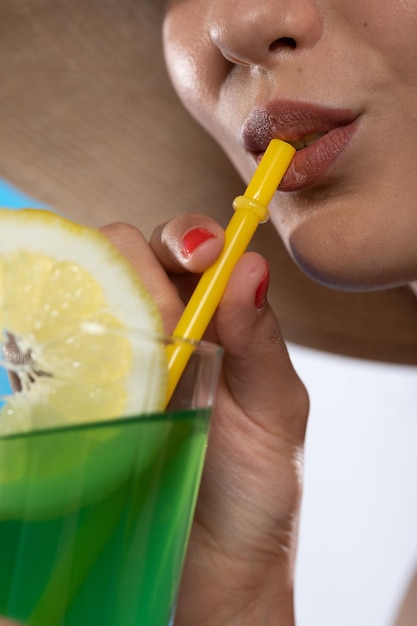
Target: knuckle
121 233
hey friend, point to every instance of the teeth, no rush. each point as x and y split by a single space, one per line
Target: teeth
306 141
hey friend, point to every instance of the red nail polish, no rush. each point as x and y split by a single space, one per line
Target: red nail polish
262 291
194 238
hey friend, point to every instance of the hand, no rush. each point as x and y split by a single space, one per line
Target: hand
239 568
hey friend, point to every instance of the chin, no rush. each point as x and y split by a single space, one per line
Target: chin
337 277
347 270
359 249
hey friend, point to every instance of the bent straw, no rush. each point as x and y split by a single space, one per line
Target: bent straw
251 209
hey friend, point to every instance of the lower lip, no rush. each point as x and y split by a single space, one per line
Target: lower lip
310 165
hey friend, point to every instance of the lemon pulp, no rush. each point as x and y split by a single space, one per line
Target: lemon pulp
76 325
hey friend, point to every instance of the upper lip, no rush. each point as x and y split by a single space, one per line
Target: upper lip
290 121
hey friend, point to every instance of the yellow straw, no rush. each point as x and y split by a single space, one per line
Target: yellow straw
251 209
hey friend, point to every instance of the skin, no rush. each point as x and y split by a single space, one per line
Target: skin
240 564
357 228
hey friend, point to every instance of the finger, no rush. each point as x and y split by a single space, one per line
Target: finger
251 487
258 371
189 242
135 248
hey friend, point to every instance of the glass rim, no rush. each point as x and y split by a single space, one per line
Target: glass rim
199 345
145 345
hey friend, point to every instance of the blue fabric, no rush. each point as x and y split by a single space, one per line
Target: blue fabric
12 198
4 385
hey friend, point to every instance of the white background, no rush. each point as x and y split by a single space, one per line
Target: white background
358 536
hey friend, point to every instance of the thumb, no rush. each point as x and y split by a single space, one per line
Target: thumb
257 368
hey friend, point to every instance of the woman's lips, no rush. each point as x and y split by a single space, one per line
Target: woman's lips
325 132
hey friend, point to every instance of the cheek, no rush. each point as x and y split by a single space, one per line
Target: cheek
388 27
195 65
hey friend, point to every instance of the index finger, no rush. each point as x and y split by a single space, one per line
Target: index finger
132 244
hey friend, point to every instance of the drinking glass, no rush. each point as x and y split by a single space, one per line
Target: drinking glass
95 514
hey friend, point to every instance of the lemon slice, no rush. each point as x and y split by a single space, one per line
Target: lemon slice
69 307
78 331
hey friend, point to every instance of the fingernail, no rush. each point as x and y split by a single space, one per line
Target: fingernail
194 238
262 290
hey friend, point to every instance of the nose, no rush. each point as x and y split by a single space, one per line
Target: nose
253 32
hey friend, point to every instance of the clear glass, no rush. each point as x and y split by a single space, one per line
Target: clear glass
95 516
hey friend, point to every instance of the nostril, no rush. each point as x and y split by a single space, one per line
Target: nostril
283 42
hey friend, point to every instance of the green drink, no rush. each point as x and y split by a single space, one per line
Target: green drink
138 478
